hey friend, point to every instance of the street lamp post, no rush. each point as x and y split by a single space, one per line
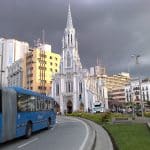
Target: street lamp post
140 91
1 71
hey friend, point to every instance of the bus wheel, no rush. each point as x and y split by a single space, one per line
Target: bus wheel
28 130
48 123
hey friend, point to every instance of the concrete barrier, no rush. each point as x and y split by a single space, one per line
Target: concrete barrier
121 120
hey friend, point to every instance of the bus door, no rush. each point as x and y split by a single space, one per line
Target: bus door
8 114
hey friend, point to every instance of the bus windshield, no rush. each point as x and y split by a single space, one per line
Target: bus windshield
0 100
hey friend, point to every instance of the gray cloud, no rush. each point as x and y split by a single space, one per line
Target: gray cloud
111 30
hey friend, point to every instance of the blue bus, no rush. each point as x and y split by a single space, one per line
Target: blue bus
23 111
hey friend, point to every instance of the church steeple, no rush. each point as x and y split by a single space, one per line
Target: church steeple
69 18
70 58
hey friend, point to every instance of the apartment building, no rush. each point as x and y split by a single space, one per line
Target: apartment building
39 66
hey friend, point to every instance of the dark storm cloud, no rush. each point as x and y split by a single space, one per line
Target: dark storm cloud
111 30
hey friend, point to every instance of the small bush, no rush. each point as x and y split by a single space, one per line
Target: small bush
106 117
147 114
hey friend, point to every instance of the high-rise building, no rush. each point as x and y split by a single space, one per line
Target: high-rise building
39 66
15 74
11 50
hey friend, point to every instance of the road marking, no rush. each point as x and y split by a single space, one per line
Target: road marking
27 143
87 133
62 122
86 137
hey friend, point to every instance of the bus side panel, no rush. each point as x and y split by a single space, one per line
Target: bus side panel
38 119
22 119
0 127
52 114
21 124
8 115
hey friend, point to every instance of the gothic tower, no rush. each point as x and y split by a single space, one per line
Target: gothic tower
70 61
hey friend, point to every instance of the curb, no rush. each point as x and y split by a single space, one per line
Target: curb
91 142
148 125
101 139
115 146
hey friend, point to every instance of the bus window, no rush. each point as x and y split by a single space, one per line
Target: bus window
46 105
0 100
38 104
22 103
31 103
42 101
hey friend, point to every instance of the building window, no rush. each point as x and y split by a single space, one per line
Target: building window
55 70
51 69
41 88
42 55
57 89
127 97
147 95
143 96
51 63
68 60
71 38
42 68
68 39
50 57
55 58
69 86
80 87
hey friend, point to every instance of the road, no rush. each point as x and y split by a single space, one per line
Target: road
68 134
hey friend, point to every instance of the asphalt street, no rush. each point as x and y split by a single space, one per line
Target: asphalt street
68 134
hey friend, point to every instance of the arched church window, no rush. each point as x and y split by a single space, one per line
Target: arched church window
69 86
71 38
80 87
68 39
57 89
68 60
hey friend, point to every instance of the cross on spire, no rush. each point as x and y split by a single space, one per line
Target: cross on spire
69 18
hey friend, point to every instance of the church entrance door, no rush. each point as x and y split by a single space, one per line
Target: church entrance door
69 107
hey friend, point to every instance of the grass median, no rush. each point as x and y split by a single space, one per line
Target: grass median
132 136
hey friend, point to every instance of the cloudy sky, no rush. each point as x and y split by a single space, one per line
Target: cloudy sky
111 30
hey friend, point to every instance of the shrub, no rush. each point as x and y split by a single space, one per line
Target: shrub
147 114
106 117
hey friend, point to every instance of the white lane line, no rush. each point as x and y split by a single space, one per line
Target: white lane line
27 143
86 136
62 122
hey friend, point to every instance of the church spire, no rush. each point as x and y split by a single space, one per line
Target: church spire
69 18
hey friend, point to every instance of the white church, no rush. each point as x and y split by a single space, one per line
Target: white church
71 86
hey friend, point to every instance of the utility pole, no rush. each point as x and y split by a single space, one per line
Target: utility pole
1 71
137 56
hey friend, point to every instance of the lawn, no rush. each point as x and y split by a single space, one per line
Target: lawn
130 136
